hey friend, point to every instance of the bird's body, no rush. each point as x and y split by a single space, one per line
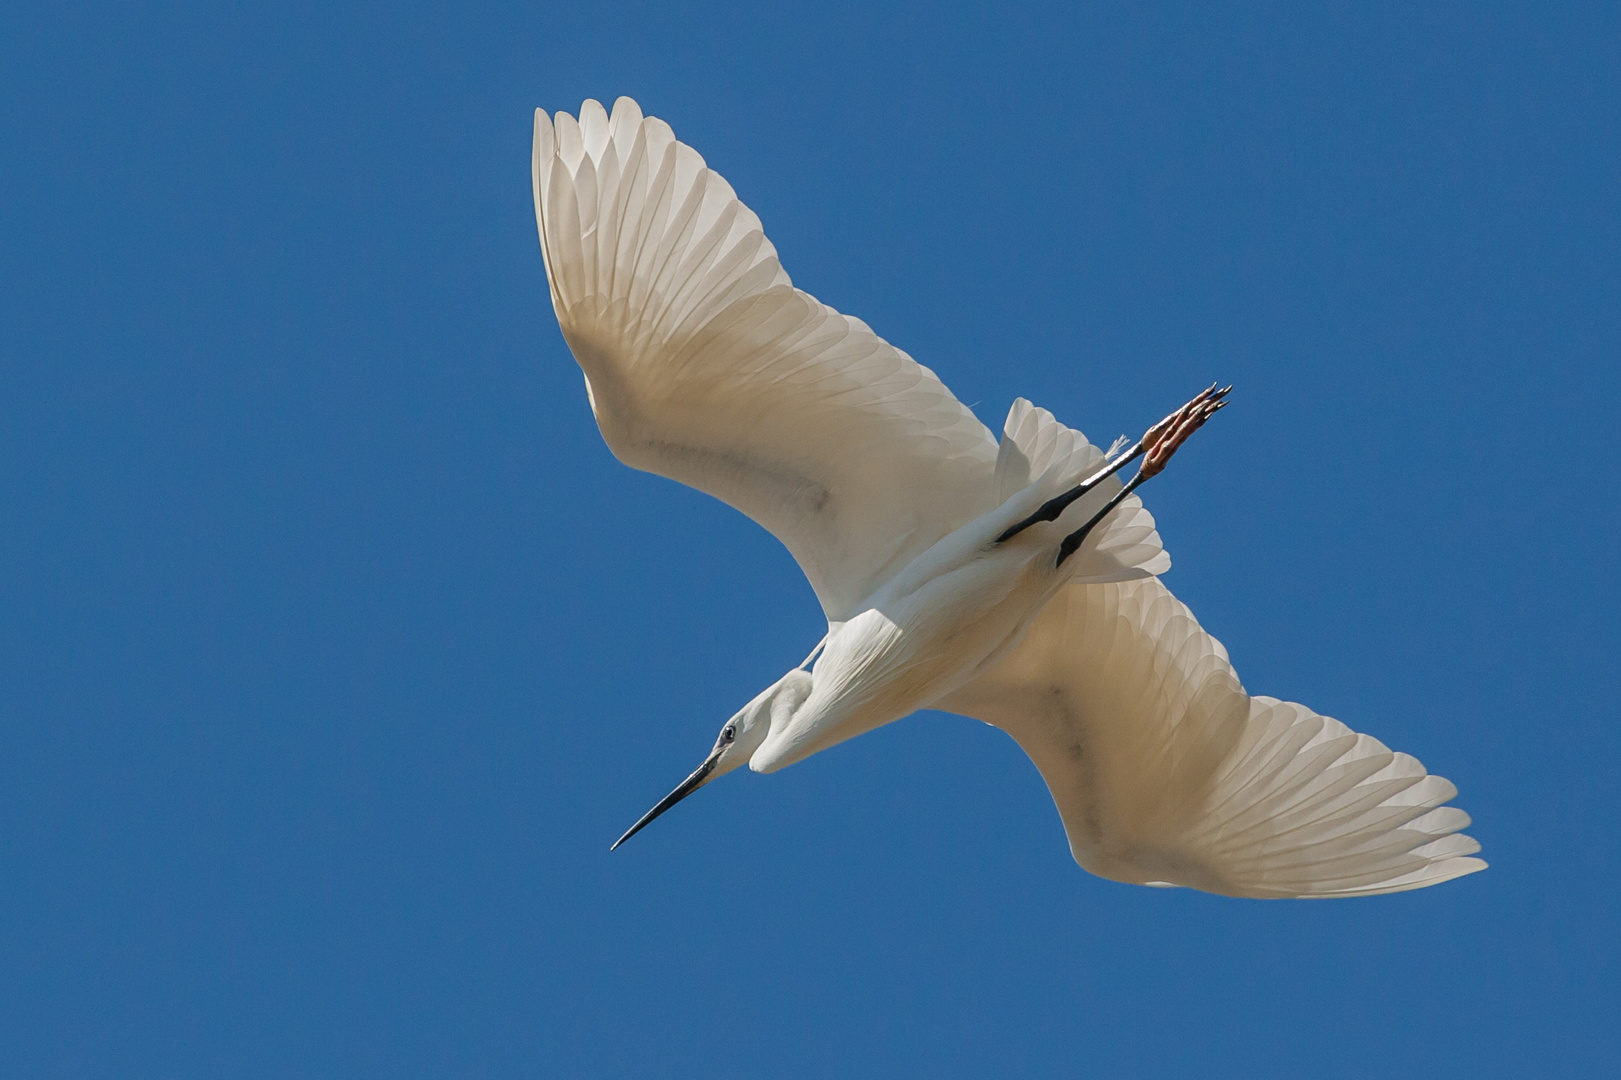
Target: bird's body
1012 580
951 610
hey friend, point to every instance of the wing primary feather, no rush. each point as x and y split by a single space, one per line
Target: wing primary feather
704 364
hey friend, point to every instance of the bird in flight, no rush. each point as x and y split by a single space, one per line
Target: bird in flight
1012 580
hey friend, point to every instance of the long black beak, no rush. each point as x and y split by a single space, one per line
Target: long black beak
688 786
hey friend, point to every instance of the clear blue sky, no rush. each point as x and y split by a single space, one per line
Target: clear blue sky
335 648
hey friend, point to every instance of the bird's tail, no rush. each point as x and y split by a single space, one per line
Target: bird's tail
1037 449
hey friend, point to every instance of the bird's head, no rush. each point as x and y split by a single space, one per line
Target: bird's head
739 738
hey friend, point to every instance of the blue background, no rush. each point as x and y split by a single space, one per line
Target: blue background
335 648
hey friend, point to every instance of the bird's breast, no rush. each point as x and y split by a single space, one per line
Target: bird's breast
908 650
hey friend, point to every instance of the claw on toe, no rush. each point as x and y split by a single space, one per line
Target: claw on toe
1164 438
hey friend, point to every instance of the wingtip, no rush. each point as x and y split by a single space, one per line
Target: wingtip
544 142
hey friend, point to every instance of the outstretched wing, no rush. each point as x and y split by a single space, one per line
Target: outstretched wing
1166 772
704 364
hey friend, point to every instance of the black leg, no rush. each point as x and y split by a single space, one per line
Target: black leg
1161 441
1052 508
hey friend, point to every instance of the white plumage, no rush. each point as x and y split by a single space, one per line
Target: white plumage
704 364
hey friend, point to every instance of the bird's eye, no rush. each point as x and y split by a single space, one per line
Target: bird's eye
729 734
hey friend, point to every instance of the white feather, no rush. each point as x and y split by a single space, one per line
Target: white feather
1166 772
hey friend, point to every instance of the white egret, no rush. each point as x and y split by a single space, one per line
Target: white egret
1012 581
